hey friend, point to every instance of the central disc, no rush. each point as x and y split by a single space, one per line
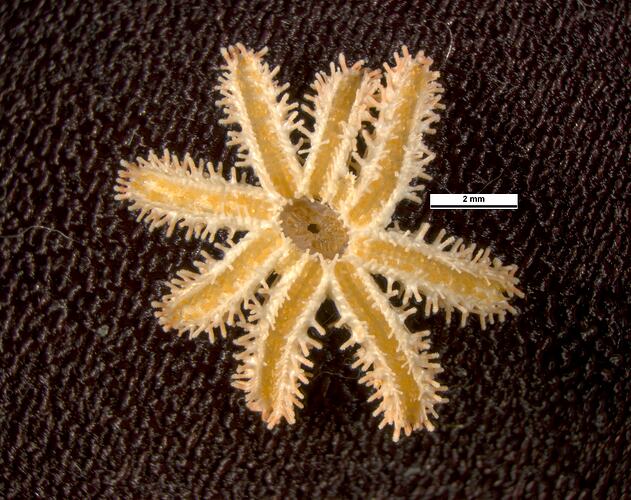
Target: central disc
314 227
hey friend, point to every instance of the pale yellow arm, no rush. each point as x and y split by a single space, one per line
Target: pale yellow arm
341 103
396 361
396 152
276 348
258 108
213 296
446 274
169 193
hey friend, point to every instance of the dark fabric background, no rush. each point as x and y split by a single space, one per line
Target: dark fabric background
96 400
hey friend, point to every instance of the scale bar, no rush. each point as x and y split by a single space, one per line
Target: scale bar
466 201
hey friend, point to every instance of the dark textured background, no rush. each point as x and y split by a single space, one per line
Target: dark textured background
97 401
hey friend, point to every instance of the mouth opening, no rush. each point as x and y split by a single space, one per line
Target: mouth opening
314 227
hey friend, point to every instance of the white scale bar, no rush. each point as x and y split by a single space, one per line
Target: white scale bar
473 201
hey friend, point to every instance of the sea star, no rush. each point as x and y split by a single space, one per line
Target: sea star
317 229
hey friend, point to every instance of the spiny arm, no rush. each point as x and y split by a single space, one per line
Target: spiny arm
212 297
276 348
396 361
257 106
446 273
169 193
341 103
396 152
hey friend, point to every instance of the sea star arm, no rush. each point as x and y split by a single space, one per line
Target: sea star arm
258 107
277 346
396 361
395 152
341 103
169 193
212 297
446 273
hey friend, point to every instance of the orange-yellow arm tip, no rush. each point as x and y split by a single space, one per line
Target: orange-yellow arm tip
212 297
396 152
276 348
340 104
255 104
169 192
396 362
445 273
